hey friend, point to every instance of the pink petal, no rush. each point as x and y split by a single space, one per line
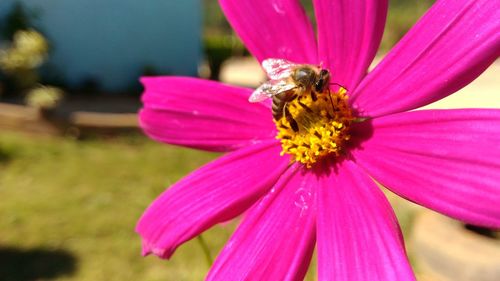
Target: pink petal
349 34
276 239
446 160
358 234
203 114
447 49
273 29
217 192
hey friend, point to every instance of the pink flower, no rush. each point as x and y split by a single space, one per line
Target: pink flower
446 160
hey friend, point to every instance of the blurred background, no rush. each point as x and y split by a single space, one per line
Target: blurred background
76 172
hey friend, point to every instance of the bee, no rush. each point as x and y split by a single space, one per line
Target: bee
288 81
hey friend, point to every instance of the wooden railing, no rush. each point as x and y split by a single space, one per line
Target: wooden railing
77 123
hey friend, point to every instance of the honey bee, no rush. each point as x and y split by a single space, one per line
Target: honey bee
287 81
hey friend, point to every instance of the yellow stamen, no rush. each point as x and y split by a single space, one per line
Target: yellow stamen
323 127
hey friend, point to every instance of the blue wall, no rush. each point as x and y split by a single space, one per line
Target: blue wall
112 40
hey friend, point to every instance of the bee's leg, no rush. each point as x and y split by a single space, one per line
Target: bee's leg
289 118
305 107
331 102
313 96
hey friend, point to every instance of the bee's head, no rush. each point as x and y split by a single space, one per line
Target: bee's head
324 73
323 80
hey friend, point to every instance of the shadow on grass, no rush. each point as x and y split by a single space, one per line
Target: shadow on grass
34 264
4 156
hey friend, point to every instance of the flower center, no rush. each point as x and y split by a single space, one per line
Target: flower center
323 121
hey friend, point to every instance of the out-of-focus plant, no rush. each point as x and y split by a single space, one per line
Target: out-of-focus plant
28 51
219 48
402 15
24 50
44 97
219 40
19 18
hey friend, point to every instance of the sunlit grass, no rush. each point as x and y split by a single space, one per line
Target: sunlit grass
85 198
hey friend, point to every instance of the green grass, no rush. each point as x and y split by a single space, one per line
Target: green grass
69 209
84 198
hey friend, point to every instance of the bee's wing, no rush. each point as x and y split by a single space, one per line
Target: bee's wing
277 69
269 89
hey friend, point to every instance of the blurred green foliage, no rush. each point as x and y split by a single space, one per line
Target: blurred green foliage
403 14
220 48
19 18
27 49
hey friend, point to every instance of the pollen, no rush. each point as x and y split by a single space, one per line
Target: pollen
323 121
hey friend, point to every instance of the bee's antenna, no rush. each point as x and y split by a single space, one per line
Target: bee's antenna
337 84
